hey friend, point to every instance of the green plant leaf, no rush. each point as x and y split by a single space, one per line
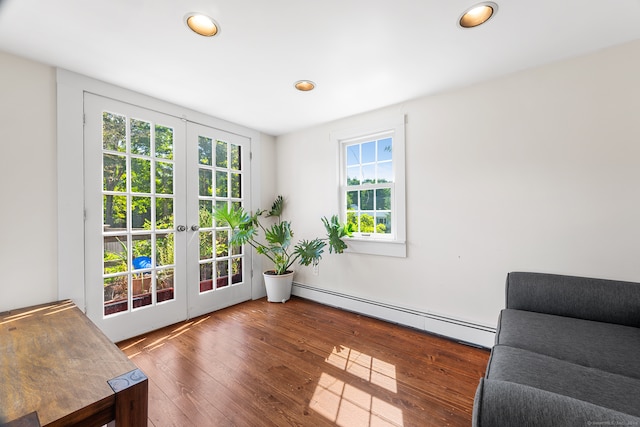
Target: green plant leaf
335 233
309 251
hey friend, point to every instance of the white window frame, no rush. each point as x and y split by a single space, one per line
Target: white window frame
394 244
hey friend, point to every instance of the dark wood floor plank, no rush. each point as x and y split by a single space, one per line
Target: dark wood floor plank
304 364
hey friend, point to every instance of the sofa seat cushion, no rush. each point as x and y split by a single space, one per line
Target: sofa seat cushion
602 388
605 346
507 404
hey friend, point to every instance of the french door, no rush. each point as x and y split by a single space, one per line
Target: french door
153 256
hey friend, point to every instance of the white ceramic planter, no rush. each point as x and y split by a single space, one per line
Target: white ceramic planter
278 286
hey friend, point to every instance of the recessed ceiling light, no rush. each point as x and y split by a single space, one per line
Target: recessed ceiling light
304 85
202 24
478 14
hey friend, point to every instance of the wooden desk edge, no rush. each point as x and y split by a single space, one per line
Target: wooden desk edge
132 398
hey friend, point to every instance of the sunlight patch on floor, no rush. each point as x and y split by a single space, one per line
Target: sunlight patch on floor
347 405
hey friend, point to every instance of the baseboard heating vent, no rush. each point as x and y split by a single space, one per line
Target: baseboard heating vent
466 332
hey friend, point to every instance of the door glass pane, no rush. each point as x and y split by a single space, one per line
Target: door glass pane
236 188
140 176
205 182
140 137
164 178
236 157
206 245
116 294
221 184
115 254
114 132
205 214
140 213
164 142
165 249
164 213
236 265
206 277
204 150
164 285
222 243
114 173
115 212
222 274
221 154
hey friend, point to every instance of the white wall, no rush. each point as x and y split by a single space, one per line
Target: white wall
536 171
28 215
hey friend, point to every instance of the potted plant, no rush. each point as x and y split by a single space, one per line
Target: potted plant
276 243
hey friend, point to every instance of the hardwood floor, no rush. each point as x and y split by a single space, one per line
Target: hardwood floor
304 364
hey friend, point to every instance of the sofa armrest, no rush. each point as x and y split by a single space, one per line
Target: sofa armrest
586 298
502 403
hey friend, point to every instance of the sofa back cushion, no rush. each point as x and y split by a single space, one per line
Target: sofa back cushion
601 300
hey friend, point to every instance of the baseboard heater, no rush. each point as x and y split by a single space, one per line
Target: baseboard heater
459 330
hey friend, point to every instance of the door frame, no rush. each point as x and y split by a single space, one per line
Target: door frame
70 165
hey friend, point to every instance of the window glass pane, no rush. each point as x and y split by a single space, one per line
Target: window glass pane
353 175
140 137
140 176
205 182
206 245
352 200
383 223
114 132
369 152
383 199
114 173
222 243
205 214
352 218
164 142
385 172
353 155
366 222
235 157
384 149
204 150
115 254
221 154
141 213
164 213
115 212
164 178
165 249
236 188
221 184
366 200
369 174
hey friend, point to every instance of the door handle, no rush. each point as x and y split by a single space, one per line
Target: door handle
181 228
195 227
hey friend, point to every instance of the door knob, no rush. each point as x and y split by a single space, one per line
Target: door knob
195 227
181 228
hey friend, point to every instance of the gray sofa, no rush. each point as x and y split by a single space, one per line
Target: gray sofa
567 353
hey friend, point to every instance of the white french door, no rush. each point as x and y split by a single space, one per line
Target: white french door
217 177
153 256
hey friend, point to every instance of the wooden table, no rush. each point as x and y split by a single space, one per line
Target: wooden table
55 362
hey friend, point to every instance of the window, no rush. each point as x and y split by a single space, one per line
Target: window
372 188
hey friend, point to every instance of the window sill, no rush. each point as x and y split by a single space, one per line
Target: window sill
377 247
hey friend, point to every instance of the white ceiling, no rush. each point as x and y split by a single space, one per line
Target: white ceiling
363 54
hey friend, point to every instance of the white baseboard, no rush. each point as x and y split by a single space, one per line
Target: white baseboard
456 329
